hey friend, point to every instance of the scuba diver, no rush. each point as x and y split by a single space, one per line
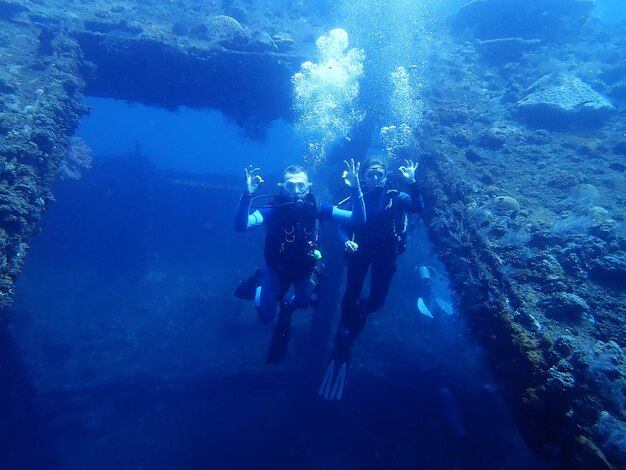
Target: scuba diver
375 244
292 221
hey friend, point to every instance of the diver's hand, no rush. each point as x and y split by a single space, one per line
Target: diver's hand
253 181
350 246
408 171
351 174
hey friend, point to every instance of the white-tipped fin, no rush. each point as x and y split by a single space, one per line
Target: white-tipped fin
327 381
340 383
445 306
423 309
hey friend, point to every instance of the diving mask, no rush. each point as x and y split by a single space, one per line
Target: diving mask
296 186
375 177
375 174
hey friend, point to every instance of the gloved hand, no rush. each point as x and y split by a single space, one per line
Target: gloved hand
253 181
350 246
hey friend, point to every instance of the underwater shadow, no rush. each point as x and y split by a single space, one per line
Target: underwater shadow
23 433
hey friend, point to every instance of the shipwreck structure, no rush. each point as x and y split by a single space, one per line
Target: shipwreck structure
524 168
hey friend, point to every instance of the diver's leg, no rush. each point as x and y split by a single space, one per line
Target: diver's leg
271 288
280 339
353 317
247 289
302 292
383 270
336 375
358 264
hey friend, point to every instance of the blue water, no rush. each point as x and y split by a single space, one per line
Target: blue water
135 354
141 358
199 142
126 349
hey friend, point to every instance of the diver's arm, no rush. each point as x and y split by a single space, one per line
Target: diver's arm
347 239
412 202
345 234
354 217
351 178
243 219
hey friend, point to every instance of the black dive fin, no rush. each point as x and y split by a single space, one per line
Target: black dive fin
335 380
280 339
336 376
246 290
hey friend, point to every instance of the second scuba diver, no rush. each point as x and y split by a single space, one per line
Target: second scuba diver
375 244
292 221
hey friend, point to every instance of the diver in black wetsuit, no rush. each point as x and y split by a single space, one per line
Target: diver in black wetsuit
374 245
292 222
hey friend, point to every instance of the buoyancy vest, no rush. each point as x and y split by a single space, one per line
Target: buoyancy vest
385 228
292 236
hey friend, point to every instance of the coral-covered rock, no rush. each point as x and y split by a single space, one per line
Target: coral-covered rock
284 42
560 101
610 269
492 138
561 379
611 433
566 306
224 27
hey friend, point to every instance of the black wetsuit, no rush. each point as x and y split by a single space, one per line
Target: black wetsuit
380 240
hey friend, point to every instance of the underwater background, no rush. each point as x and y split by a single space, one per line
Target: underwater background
125 347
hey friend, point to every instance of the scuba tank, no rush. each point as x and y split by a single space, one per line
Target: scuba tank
425 294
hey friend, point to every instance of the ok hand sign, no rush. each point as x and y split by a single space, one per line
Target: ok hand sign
253 180
407 171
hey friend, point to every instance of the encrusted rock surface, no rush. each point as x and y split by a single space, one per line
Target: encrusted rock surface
39 109
531 223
